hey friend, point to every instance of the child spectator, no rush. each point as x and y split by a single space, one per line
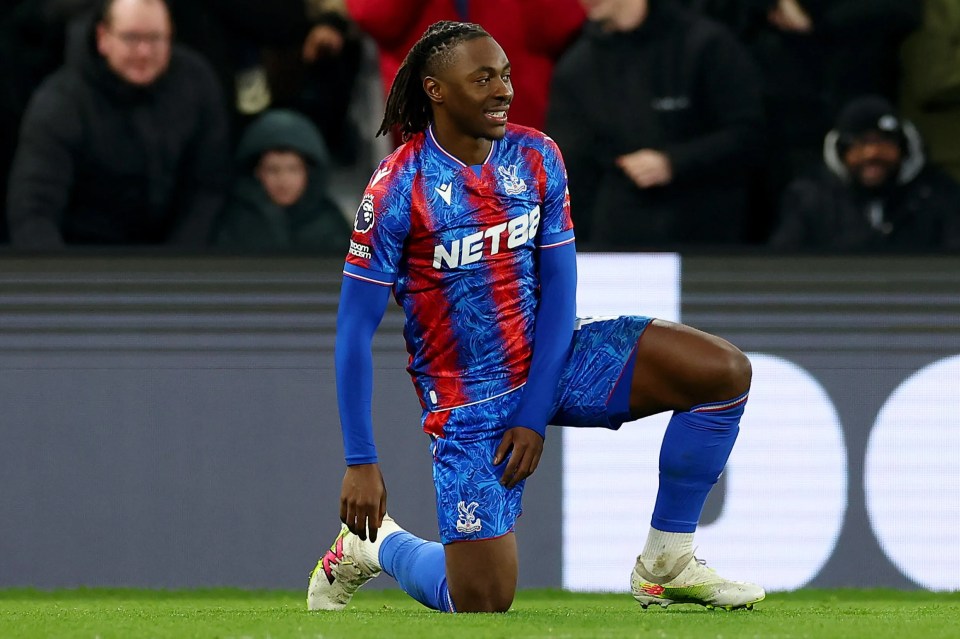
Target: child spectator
280 200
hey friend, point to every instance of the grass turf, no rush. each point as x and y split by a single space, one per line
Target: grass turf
236 614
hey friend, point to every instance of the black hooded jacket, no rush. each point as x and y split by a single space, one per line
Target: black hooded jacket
103 162
252 222
827 212
679 84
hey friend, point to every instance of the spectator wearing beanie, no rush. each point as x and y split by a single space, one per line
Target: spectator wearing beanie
874 192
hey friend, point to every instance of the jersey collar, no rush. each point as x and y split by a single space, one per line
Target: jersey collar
450 158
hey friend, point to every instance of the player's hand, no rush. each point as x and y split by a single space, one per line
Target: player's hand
646 168
363 500
523 447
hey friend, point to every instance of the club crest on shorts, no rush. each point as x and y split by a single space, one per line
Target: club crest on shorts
467 522
364 220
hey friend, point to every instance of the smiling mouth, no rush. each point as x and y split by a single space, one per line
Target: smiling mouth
498 116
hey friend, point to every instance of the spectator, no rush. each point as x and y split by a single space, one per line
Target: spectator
814 56
280 201
842 48
296 54
931 83
532 32
128 146
874 192
319 75
657 111
232 36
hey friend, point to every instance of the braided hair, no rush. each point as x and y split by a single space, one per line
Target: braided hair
407 105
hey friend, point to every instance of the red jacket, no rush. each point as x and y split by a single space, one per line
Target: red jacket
533 33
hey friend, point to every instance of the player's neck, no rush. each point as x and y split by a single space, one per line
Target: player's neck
466 148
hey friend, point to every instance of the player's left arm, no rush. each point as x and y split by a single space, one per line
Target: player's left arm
553 334
553 328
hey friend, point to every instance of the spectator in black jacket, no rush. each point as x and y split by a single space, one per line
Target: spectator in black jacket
875 191
280 200
814 56
128 145
658 114
303 55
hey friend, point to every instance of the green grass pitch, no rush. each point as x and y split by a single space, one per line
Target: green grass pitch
379 614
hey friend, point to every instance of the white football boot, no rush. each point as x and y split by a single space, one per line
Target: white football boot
691 581
350 563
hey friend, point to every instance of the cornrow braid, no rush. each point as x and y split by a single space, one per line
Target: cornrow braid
407 105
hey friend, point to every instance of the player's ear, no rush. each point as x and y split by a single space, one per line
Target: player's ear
433 89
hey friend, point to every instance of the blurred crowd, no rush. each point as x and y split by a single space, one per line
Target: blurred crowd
242 126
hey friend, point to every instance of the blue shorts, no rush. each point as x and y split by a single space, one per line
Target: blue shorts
595 390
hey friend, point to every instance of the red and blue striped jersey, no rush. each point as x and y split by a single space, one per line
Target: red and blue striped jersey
459 245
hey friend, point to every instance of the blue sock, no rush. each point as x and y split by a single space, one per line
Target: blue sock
694 451
419 567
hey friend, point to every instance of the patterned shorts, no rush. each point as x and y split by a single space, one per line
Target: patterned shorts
471 503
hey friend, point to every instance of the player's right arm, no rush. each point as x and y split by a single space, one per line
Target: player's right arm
363 496
376 250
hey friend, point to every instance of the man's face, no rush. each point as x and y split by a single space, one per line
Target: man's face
475 89
134 39
283 175
621 15
873 160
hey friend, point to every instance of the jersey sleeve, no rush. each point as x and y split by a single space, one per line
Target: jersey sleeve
380 227
361 308
554 332
556 224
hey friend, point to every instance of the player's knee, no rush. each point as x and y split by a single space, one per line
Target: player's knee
742 369
497 604
485 598
735 370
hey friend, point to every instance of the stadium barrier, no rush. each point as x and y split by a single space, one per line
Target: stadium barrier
171 422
